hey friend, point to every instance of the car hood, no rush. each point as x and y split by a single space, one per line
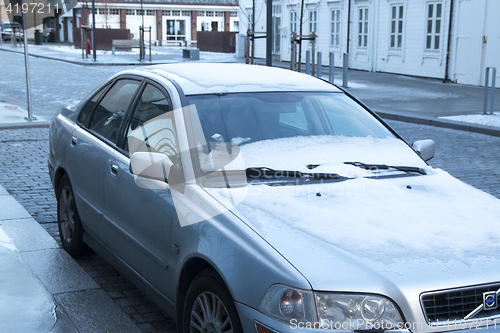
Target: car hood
395 231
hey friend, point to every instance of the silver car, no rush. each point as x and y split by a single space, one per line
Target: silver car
245 198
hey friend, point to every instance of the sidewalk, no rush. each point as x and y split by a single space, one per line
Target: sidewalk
43 288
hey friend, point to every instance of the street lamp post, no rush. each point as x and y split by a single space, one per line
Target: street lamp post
94 43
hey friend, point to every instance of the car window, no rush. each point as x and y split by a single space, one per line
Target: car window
108 116
151 127
87 109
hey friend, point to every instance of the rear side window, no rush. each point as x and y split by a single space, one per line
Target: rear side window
87 109
109 114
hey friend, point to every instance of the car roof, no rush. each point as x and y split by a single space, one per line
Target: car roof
210 78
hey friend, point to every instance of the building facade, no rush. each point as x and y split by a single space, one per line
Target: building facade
412 37
170 22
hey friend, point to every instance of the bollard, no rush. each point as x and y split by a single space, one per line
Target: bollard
318 67
331 68
493 83
345 75
308 62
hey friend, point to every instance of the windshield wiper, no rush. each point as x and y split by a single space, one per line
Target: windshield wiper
386 167
265 172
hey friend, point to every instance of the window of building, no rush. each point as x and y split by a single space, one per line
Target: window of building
209 13
176 13
276 9
200 13
114 11
363 27
313 21
219 14
396 41
433 29
293 21
129 11
150 12
236 26
186 13
103 11
140 12
335 28
166 13
233 14
176 30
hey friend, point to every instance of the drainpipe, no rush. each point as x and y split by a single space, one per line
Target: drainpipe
348 24
449 42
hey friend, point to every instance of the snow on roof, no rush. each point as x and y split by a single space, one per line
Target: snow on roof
202 78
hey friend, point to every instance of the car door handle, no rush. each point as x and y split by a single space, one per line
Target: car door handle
74 140
113 168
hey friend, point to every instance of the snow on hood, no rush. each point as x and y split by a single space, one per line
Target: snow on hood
296 152
383 226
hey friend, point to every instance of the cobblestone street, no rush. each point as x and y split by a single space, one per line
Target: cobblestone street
473 158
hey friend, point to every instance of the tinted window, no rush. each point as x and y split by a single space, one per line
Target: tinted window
87 109
108 115
152 128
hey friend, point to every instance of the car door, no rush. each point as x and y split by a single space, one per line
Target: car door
141 211
99 123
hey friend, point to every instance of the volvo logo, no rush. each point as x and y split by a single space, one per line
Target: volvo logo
490 300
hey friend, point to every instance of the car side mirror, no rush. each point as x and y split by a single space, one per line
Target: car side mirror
425 148
150 165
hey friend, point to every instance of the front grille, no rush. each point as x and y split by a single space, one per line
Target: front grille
455 304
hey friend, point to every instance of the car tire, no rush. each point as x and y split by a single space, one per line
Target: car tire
68 220
209 306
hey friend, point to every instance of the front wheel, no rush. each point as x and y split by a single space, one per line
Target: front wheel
68 220
209 308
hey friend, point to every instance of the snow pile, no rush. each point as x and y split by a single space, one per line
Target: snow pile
481 119
25 303
428 217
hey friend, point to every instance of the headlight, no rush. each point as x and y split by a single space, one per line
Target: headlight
330 310
288 304
357 312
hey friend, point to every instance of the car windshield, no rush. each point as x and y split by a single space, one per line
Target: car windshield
250 117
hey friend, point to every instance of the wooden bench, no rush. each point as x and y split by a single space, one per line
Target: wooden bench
124 44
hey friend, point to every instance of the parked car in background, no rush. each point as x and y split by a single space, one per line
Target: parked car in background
246 198
7 29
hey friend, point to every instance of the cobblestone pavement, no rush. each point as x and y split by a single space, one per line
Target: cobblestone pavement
473 158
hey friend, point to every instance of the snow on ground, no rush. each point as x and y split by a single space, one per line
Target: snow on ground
25 303
481 119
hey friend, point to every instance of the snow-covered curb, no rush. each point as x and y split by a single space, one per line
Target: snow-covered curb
488 120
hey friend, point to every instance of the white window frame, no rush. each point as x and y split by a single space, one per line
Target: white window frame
313 21
399 24
434 24
363 27
294 20
150 12
335 27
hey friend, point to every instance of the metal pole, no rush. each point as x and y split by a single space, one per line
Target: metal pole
94 42
486 81
318 70
269 34
493 83
83 44
308 62
27 66
331 68
247 53
313 51
149 43
345 74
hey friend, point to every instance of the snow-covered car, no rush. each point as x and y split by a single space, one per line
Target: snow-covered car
7 29
246 198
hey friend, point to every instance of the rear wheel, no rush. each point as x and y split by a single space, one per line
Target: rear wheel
68 220
209 308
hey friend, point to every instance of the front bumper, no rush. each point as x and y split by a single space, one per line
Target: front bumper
250 316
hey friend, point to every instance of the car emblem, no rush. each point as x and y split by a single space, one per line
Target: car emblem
490 300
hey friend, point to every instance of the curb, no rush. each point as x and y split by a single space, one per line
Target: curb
6 126
437 122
